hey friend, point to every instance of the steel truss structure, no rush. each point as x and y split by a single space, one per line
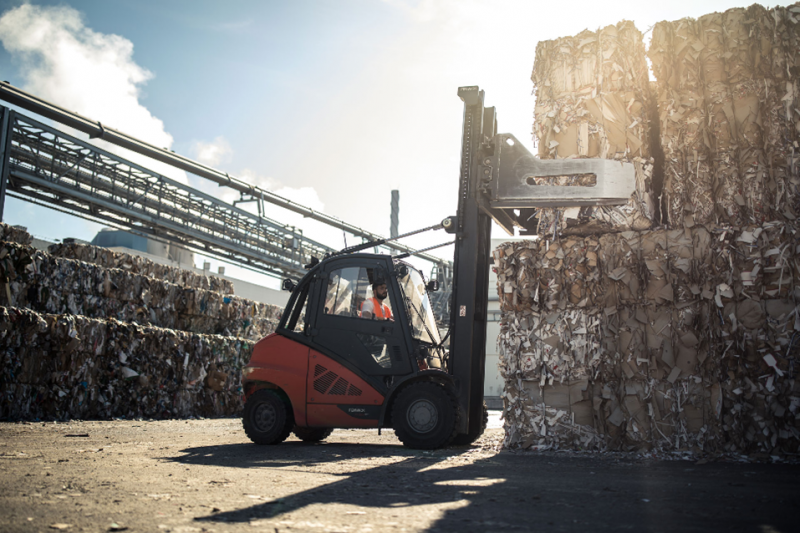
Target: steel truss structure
46 166
56 169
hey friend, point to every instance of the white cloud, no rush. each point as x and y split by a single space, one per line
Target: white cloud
212 153
308 197
264 182
305 196
91 73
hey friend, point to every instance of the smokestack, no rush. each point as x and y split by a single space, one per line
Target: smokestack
395 214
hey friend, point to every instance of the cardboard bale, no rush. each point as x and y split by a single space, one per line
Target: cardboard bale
691 345
63 366
48 284
676 55
15 234
726 88
593 100
108 258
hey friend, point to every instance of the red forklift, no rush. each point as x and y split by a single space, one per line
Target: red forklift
334 362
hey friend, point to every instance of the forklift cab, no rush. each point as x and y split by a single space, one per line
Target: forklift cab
326 310
331 364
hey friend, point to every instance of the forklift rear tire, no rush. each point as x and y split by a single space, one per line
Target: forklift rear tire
312 434
267 418
424 416
465 439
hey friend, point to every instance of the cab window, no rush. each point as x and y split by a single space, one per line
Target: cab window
348 289
295 318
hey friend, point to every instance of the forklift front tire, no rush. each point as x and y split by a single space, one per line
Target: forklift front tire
312 434
424 416
466 439
267 418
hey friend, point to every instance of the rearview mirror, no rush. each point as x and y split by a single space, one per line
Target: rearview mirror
433 285
401 271
288 285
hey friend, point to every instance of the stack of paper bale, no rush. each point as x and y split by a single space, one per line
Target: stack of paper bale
107 258
593 100
727 99
65 366
682 337
47 284
82 340
673 339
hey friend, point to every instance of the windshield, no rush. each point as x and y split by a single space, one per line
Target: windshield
423 325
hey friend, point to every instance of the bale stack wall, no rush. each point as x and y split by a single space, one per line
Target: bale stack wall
135 264
47 284
82 340
681 338
65 366
673 339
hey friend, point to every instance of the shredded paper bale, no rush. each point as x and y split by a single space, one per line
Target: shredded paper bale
729 125
139 265
666 339
593 101
64 366
106 338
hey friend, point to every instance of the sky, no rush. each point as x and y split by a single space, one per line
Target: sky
331 103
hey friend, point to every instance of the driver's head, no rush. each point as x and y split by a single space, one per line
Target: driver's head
379 289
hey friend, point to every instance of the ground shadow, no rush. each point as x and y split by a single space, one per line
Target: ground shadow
525 491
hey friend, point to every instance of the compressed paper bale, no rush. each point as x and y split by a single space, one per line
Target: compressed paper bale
532 422
736 63
664 375
720 138
676 55
15 234
138 265
592 100
73 366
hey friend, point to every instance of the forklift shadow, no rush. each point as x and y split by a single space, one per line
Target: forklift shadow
249 455
413 479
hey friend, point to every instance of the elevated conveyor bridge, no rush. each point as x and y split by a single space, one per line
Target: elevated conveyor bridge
46 166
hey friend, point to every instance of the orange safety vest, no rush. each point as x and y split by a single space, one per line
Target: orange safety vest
379 309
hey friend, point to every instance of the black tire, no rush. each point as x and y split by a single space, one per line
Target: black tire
465 439
267 418
424 416
312 434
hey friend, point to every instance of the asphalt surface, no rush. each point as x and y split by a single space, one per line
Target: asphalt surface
204 475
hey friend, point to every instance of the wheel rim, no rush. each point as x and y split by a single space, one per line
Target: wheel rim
422 416
264 416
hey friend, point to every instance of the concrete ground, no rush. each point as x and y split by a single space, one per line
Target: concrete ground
204 475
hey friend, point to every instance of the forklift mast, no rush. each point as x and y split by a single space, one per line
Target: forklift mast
471 263
502 181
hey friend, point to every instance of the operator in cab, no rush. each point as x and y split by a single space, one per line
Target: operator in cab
374 307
